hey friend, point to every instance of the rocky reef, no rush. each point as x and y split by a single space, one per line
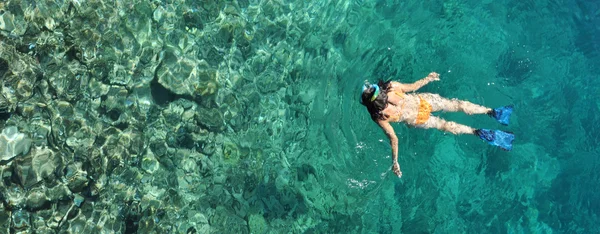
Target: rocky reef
158 117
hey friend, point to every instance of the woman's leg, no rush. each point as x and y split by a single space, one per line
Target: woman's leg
439 103
448 126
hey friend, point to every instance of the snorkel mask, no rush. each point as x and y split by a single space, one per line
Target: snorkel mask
375 94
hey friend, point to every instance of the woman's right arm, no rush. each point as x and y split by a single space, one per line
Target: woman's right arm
389 131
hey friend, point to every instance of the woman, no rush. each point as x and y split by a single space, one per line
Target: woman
390 102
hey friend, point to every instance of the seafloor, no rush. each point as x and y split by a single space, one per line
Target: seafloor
242 116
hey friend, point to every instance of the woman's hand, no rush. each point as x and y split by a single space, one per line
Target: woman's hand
433 77
396 169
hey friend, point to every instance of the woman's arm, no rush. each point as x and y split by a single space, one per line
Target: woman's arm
417 85
389 131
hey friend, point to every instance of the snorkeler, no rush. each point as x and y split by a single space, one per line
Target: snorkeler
391 102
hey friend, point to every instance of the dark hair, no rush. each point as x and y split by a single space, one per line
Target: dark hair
376 106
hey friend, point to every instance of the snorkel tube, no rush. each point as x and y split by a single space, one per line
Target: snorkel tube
375 93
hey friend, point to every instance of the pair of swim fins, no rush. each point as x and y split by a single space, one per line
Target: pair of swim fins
498 138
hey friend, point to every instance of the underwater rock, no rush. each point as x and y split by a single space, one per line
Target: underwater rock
184 137
14 196
173 114
81 139
209 147
206 166
40 227
36 199
40 164
158 146
115 99
189 164
50 23
158 14
141 100
306 97
25 172
283 179
76 177
63 108
60 192
39 130
127 188
67 124
4 219
257 224
149 162
270 81
7 21
78 224
211 118
6 171
66 78
5 108
78 200
11 24
96 89
13 143
133 140
196 223
20 220
99 185
44 163
231 152
163 220
115 145
29 110
45 220
152 197
232 108
185 75
229 221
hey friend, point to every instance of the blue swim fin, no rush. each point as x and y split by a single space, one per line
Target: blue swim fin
498 138
502 114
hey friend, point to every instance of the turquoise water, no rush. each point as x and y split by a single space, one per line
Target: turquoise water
244 117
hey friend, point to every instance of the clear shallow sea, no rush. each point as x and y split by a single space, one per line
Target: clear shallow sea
243 117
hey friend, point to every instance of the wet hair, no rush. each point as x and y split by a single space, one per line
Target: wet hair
376 106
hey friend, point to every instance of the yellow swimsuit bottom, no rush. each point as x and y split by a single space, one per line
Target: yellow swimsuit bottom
424 111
